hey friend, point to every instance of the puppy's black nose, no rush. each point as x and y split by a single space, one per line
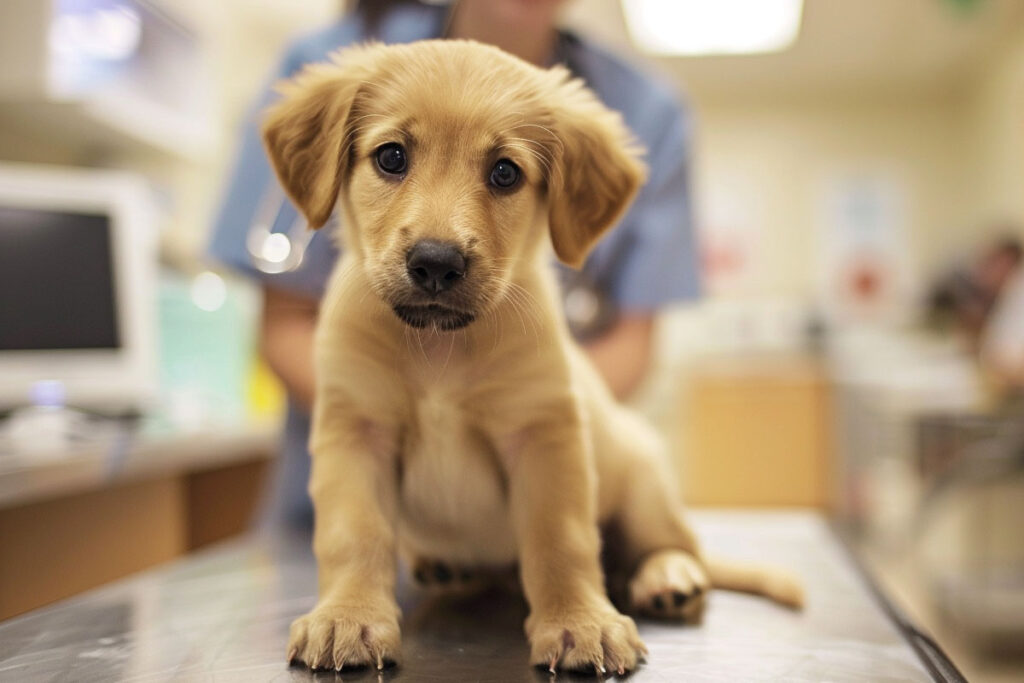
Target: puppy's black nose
435 266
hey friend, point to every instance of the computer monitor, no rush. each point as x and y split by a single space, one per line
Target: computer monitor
78 268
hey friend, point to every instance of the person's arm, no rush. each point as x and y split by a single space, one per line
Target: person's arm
1002 340
656 264
286 340
623 354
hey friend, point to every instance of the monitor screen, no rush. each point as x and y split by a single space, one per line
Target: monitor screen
57 288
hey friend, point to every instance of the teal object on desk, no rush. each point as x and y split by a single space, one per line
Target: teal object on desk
207 346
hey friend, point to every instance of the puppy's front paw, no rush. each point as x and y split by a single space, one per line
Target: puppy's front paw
597 638
337 636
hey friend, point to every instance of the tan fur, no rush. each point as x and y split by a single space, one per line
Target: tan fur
496 443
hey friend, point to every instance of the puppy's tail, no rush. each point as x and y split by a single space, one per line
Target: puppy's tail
772 583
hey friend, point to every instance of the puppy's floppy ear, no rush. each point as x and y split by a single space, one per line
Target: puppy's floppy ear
598 171
305 131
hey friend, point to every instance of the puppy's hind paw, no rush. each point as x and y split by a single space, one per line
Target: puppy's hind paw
442 576
670 584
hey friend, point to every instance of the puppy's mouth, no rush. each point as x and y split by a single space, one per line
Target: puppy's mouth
433 315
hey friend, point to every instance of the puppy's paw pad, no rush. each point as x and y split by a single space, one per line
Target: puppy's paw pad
437 574
600 640
670 603
337 637
669 585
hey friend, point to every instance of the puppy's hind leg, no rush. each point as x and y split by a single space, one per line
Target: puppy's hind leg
669 580
672 584
672 576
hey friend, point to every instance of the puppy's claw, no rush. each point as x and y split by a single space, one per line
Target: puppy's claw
380 662
553 664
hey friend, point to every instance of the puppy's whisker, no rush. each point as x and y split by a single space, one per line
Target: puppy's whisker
533 322
541 161
530 306
523 304
405 335
495 318
531 146
555 139
369 116
423 351
524 146
516 288
519 314
451 345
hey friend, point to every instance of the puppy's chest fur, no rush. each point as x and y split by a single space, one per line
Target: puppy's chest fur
453 499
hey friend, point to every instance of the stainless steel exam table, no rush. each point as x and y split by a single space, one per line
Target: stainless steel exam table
223 615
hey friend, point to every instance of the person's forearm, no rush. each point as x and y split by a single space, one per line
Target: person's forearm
623 354
286 341
1006 370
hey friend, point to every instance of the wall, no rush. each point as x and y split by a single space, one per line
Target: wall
996 123
960 156
777 159
939 116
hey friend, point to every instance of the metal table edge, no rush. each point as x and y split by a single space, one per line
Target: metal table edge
931 654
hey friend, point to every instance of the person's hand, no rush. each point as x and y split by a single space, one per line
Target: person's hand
623 354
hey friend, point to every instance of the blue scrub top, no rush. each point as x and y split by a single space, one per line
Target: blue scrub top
646 262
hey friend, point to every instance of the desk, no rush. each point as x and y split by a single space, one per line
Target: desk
133 453
784 448
223 615
101 511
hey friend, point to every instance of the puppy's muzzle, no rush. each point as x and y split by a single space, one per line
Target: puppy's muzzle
435 266
435 270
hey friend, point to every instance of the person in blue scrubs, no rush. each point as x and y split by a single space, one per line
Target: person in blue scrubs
645 263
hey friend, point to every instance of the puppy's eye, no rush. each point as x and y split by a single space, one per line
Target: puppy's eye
391 158
505 174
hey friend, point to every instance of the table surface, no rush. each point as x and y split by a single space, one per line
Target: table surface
223 615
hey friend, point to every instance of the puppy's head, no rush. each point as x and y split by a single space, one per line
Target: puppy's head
452 161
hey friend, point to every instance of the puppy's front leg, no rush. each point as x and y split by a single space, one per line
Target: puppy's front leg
552 496
352 483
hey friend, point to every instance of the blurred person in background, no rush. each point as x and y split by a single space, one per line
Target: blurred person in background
1002 341
965 299
647 262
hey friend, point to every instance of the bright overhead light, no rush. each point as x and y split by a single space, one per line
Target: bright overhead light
709 27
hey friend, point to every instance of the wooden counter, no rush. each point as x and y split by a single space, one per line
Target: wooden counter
101 512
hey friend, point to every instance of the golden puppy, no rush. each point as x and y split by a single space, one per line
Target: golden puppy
455 421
